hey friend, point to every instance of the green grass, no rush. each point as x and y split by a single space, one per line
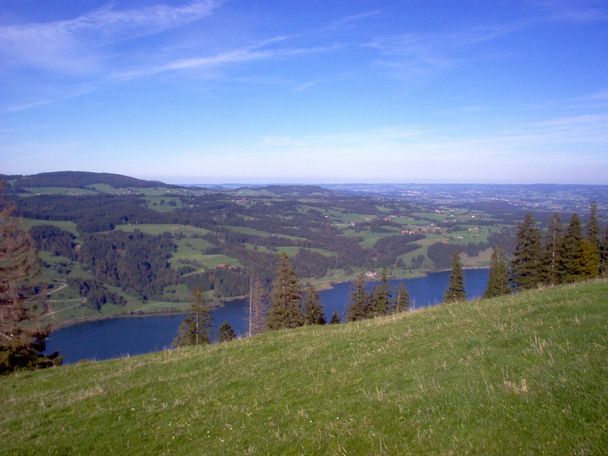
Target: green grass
515 375
163 203
159 228
369 238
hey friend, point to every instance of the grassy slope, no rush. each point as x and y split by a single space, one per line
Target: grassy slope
516 375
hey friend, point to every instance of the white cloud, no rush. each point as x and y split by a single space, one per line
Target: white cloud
235 56
75 45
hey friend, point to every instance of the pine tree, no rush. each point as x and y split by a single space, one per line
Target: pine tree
526 267
22 337
313 309
257 311
571 268
402 302
455 291
590 259
194 330
335 319
604 254
358 308
286 298
592 246
381 295
498 278
226 333
593 227
551 251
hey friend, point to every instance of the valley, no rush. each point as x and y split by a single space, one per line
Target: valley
121 246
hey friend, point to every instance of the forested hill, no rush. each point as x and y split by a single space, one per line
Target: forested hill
114 244
79 179
523 374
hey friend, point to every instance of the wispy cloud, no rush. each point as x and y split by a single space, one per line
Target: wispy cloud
75 45
417 55
347 22
243 55
413 55
573 11
73 92
542 138
306 85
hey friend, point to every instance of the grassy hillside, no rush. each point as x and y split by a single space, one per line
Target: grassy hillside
515 375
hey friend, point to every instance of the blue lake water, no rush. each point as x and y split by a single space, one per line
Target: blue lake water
117 337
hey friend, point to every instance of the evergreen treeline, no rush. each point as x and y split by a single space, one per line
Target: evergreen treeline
290 307
557 255
378 302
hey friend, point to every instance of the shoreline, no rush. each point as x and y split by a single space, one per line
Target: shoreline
323 286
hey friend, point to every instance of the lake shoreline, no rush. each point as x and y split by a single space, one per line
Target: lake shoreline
132 334
322 286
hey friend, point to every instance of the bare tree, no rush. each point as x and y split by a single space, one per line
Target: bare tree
257 307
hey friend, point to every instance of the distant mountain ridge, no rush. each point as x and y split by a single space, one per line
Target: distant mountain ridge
78 179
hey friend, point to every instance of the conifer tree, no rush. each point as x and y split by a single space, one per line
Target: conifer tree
313 309
194 330
286 298
526 268
455 290
604 254
22 337
226 333
590 259
551 251
571 267
358 308
593 227
498 278
381 295
335 319
592 246
402 301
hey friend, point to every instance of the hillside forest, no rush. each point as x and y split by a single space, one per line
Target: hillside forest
113 245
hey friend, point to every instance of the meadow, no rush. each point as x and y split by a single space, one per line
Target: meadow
522 374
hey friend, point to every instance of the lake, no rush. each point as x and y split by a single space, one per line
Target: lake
118 337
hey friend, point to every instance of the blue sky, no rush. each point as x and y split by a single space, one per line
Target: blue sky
311 91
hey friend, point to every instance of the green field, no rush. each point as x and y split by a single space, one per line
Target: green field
516 375
159 228
163 203
369 238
